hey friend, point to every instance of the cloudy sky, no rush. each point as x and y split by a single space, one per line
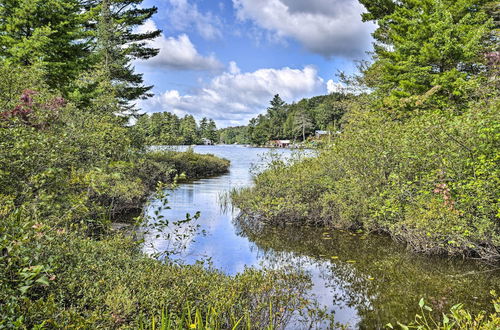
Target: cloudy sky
226 59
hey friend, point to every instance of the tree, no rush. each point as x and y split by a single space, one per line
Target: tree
330 111
276 114
48 34
204 127
117 45
258 130
212 131
189 130
377 9
231 135
428 53
303 123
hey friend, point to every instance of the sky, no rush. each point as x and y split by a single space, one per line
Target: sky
226 59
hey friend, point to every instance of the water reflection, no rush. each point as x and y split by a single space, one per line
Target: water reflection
366 281
378 277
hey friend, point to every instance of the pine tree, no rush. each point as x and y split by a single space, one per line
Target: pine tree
212 134
204 128
189 130
48 34
428 53
277 117
117 44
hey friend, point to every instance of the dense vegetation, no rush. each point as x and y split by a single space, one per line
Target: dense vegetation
294 121
191 164
165 128
70 165
418 158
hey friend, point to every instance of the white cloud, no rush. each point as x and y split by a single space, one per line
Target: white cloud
326 27
233 68
233 97
178 53
335 87
183 15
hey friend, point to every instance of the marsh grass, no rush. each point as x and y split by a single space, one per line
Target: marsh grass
202 320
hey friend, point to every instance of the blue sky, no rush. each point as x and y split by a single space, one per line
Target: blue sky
226 59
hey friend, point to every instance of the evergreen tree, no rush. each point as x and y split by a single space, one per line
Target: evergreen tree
189 130
48 34
117 44
212 131
204 128
258 130
428 53
277 117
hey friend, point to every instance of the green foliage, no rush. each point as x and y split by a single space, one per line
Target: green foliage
194 165
65 173
208 130
189 130
165 128
418 158
431 182
117 45
234 135
457 318
44 34
68 39
291 121
428 54
109 283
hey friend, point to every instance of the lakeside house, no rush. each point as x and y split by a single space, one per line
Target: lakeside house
207 142
319 134
280 143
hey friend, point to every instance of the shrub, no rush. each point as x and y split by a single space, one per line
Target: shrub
194 165
76 281
431 181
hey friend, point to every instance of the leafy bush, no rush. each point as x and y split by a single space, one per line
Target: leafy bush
431 181
62 279
194 165
65 173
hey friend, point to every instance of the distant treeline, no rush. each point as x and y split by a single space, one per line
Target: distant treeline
294 121
165 128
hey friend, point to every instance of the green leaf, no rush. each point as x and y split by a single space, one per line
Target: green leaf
404 327
24 289
43 280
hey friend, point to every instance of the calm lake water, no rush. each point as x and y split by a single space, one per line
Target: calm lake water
367 281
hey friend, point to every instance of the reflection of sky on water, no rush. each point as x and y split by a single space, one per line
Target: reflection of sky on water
227 250
384 285
221 244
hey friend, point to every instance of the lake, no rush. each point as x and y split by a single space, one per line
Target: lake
366 280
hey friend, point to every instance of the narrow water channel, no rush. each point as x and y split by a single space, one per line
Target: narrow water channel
367 281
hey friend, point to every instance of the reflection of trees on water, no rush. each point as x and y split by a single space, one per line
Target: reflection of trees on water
376 276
